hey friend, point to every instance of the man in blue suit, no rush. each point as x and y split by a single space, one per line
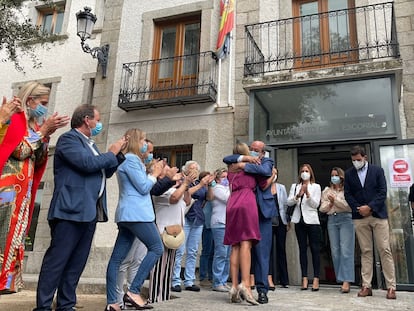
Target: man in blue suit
267 210
365 191
78 203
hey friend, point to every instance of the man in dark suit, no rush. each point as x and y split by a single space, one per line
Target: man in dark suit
267 210
78 203
365 191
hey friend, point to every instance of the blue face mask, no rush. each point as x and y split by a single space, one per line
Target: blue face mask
148 159
98 128
39 111
224 182
144 148
254 153
335 180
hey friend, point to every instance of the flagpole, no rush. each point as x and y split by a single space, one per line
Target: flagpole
218 84
230 58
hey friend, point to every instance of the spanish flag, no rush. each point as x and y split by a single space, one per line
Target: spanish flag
226 26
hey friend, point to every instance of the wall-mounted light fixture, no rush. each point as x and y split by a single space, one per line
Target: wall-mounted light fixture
86 21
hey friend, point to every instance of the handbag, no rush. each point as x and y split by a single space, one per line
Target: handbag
291 208
173 236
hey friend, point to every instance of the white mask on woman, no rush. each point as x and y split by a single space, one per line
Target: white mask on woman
305 175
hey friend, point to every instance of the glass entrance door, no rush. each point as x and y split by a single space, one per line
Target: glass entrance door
397 159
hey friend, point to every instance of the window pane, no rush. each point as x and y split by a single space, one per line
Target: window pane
191 47
310 41
167 50
47 23
338 26
59 22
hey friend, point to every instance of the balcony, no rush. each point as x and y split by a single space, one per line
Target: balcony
334 38
183 80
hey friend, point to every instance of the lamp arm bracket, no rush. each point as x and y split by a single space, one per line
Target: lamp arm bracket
100 53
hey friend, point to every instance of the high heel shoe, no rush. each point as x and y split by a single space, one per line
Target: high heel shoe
128 300
109 308
245 295
315 284
304 284
234 295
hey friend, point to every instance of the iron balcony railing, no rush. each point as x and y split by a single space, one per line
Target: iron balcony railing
327 39
188 79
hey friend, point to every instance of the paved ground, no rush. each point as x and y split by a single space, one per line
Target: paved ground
328 298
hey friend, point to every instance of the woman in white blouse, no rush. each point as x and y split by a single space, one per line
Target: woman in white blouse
306 193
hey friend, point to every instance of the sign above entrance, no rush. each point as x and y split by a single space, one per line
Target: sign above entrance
341 110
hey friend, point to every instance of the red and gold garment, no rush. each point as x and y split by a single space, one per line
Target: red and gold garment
23 157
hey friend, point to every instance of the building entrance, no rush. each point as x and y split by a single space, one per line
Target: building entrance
323 159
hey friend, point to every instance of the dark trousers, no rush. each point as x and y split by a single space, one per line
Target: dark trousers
278 263
261 255
63 263
311 233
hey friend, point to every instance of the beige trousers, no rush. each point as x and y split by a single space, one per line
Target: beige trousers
365 229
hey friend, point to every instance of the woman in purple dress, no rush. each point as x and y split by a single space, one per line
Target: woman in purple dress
242 228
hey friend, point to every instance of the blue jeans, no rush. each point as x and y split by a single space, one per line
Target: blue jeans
221 259
147 233
342 239
192 240
206 258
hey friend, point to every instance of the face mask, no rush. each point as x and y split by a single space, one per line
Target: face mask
305 176
148 159
224 182
212 184
358 164
144 148
275 178
39 111
254 153
335 180
97 129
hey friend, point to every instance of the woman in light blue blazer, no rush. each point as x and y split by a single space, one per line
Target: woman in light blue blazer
280 226
135 218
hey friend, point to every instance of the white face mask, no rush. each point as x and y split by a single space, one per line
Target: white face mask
358 164
305 175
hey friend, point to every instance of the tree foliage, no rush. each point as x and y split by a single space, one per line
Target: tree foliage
19 36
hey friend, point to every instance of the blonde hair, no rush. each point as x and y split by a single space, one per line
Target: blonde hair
135 135
32 89
341 174
241 148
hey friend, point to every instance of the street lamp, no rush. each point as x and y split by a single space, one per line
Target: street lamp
86 21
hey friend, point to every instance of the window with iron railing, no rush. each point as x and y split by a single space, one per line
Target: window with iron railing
174 39
325 29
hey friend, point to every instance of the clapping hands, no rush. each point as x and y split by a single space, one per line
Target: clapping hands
8 108
52 123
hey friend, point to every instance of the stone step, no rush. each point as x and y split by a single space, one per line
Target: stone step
85 286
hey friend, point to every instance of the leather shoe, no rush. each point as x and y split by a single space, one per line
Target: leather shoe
193 288
176 288
262 298
364 292
391 294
